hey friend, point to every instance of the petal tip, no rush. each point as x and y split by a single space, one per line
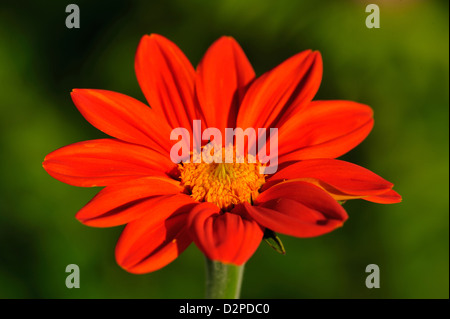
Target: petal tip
227 38
81 220
76 91
317 56
44 163
154 37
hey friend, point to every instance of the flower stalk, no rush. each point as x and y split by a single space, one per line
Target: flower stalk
223 281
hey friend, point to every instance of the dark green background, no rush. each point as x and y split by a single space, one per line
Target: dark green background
401 70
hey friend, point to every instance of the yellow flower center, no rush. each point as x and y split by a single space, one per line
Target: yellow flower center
225 184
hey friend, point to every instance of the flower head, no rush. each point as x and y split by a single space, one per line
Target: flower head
224 207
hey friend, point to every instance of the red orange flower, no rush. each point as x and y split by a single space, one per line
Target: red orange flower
166 206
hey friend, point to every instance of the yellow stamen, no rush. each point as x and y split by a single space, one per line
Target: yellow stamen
224 184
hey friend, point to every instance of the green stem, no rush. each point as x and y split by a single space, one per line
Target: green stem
223 281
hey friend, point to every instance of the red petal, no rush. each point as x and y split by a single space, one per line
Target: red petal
298 209
337 177
324 129
156 239
289 86
222 76
390 197
167 79
104 162
123 117
121 203
225 237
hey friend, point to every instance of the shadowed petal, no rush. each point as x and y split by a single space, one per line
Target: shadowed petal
123 117
166 78
297 209
103 162
157 238
342 180
121 203
324 129
222 76
289 86
229 237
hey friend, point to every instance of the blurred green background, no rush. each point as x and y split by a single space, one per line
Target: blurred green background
401 70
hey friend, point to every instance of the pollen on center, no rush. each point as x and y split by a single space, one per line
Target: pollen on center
224 183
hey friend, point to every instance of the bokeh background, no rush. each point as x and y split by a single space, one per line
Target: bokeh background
401 70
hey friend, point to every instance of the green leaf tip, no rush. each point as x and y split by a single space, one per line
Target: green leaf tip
271 238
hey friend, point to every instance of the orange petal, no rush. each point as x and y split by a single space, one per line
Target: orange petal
342 180
228 237
297 209
222 76
121 203
166 78
288 87
103 162
123 117
157 238
324 129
